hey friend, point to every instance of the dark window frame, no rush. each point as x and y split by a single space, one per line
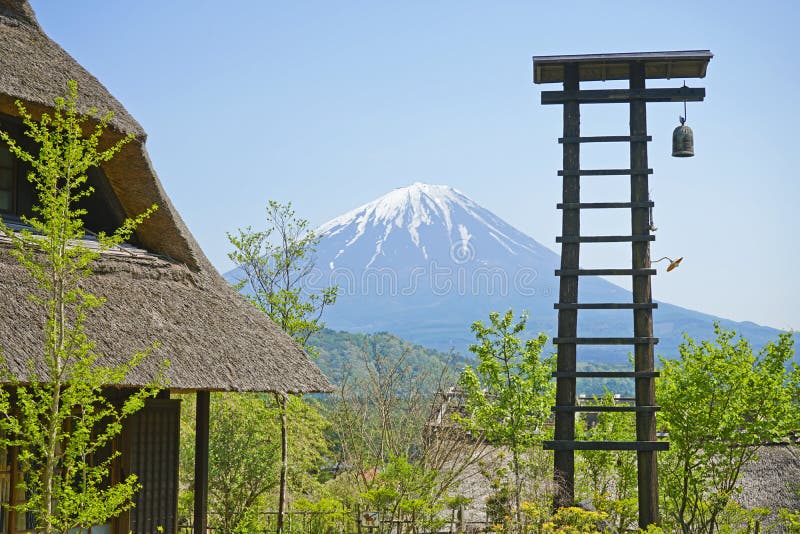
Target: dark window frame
14 190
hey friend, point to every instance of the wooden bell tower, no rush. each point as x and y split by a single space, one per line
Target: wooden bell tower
571 71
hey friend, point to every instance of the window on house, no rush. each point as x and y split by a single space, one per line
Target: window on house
7 181
18 195
10 521
11 472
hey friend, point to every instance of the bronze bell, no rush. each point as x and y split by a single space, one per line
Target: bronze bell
682 141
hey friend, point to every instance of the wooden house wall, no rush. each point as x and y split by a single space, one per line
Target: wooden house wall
151 440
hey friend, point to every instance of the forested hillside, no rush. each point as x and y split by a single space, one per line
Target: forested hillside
342 354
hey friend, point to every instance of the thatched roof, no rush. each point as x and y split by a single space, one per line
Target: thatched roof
774 480
213 338
35 70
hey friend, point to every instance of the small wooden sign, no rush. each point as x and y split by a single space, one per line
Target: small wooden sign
370 519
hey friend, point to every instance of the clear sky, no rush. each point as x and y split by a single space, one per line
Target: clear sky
331 104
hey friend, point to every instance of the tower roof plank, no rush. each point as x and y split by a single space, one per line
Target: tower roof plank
603 67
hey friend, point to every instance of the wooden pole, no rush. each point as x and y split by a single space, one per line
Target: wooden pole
642 317
281 399
564 460
203 404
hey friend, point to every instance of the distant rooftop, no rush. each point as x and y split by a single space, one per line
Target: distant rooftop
602 67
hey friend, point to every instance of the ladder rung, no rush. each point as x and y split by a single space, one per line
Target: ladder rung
605 374
603 205
569 445
605 306
603 172
605 272
605 340
604 238
597 409
605 139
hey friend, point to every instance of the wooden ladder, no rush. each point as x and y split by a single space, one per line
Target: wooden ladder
642 306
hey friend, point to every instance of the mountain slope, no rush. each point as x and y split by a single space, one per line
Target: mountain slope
343 354
425 261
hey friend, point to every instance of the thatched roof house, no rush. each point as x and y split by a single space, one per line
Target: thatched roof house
164 291
160 289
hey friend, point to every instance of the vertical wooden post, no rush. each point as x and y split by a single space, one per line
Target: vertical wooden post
564 460
642 318
281 400
201 462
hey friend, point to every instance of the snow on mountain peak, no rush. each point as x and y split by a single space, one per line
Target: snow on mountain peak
410 210
409 207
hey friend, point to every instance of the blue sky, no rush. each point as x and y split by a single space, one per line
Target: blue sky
331 104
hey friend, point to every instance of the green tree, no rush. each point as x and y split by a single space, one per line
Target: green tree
509 393
276 263
720 402
244 456
58 416
609 477
394 460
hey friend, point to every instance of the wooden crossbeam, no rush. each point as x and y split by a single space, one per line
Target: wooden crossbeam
595 409
602 205
606 374
605 272
606 340
605 305
613 96
605 139
568 445
604 172
604 238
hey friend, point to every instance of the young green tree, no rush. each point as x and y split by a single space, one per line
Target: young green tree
509 393
57 416
720 402
608 478
275 263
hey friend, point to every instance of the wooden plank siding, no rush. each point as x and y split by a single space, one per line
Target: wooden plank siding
152 437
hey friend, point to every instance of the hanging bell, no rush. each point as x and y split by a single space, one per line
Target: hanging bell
682 141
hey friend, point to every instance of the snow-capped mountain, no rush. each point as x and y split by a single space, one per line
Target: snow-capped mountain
426 261
427 223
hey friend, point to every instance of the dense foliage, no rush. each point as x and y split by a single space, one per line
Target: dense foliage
509 393
245 457
608 478
337 356
720 403
388 458
395 457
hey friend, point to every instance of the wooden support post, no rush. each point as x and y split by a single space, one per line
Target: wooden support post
201 462
564 461
642 317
